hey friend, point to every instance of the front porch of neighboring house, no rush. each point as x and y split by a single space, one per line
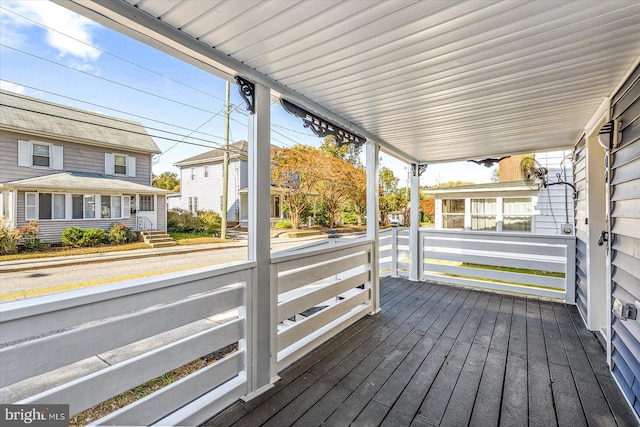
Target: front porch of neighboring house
277 211
481 328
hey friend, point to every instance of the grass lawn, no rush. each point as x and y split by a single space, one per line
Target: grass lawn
68 251
184 239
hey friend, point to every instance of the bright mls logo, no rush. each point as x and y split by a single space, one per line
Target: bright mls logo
36 415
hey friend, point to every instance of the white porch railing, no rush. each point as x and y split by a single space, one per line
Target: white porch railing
86 346
319 293
144 223
515 262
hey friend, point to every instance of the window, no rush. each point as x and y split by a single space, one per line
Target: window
206 171
45 206
120 164
90 206
5 198
193 174
31 206
483 214
193 205
517 214
146 203
41 155
453 213
76 206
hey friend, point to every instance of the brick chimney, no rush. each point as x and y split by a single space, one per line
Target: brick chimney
509 169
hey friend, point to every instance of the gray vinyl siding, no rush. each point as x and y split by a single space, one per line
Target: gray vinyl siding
580 182
209 190
76 157
51 230
625 236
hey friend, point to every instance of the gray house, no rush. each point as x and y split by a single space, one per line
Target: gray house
66 167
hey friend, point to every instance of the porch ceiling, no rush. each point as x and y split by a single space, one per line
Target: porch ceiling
431 80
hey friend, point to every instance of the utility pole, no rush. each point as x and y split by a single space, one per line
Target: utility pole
225 167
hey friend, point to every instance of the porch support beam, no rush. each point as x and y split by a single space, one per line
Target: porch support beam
414 251
260 300
373 215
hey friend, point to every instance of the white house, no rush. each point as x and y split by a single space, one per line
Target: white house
511 205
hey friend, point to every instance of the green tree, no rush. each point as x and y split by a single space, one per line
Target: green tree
348 152
391 198
166 180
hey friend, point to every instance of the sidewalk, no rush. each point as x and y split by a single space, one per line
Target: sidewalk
62 261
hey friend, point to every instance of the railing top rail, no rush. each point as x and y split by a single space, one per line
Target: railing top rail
497 235
278 258
13 310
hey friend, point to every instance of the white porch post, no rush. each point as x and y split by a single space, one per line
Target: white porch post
373 151
261 327
414 272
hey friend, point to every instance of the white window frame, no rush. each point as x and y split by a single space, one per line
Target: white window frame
193 174
110 164
193 204
206 171
26 153
531 214
452 214
36 206
28 206
493 215
141 205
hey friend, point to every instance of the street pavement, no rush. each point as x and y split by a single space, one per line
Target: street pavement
28 278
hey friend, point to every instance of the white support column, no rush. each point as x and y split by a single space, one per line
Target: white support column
414 253
373 231
261 325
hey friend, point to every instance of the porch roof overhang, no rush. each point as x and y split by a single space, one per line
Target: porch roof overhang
81 181
430 81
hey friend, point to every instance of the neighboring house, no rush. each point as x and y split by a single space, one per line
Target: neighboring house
65 167
511 204
201 182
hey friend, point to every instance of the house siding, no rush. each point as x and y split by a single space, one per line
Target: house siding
554 205
580 213
625 236
209 190
76 158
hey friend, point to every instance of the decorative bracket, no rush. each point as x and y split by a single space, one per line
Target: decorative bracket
487 163
247 92
419 169
321 127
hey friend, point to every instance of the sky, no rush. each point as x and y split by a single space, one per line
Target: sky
51 53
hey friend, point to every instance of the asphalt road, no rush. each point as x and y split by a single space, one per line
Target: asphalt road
27 284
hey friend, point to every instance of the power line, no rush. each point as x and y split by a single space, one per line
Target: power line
107 80
111 54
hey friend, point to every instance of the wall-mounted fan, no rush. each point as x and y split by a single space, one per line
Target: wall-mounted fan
532 173
535 175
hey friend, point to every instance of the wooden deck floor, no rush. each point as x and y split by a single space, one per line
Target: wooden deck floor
447 356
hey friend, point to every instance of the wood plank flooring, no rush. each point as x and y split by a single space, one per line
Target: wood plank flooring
438 355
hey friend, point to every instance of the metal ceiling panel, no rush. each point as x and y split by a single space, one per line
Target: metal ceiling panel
434 80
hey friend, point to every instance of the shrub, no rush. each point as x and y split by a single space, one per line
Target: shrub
208 222
94 237
349 218
119 234
73 236
181 221
9 237
284 224
78 237
31 236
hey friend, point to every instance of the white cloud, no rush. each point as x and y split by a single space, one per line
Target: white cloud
12 87
69 33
